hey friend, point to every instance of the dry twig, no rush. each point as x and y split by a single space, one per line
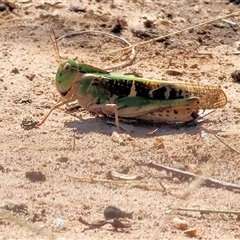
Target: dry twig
205 210
209 182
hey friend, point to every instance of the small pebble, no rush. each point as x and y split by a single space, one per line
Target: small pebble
30 76
148 23
174 72
59 223
180 224
3 7
37 176
236 76
77 7
15 71
62 159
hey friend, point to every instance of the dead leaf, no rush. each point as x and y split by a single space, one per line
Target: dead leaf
159 143
191 232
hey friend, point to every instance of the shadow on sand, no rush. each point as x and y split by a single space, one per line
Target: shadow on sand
106 126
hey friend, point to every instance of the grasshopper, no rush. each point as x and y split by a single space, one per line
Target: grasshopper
127 96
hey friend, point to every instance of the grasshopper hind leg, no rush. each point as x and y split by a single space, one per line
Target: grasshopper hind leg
171 115
112 109
174 114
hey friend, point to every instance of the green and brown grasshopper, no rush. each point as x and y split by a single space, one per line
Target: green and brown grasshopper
125 96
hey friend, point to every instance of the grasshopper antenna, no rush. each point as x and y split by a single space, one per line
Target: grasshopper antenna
53 40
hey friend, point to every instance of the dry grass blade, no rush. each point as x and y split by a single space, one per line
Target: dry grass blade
174 33
206 210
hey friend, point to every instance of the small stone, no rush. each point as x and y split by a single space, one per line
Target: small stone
3 7
11 6
235 1
219 25
28 123
2 169
148 23
236 76
179 20
15 71
180 224
59 223
196 9
163 22
33 217
23 99
35 176
117 138
77 7
62 159
174 72
30 76
118 26
194 66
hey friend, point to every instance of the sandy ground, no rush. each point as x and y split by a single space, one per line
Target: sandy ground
42 194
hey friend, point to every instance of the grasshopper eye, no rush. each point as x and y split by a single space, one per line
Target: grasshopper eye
67 67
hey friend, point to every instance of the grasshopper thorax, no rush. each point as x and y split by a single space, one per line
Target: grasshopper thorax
65 76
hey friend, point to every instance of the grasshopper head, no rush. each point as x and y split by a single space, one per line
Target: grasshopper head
65 76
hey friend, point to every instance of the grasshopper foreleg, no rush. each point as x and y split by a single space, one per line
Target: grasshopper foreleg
58 105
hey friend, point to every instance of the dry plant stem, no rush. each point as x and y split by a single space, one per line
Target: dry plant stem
23 223
229 22
74 139
124 64
174 33
209 182
206 210
233 149
133 183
